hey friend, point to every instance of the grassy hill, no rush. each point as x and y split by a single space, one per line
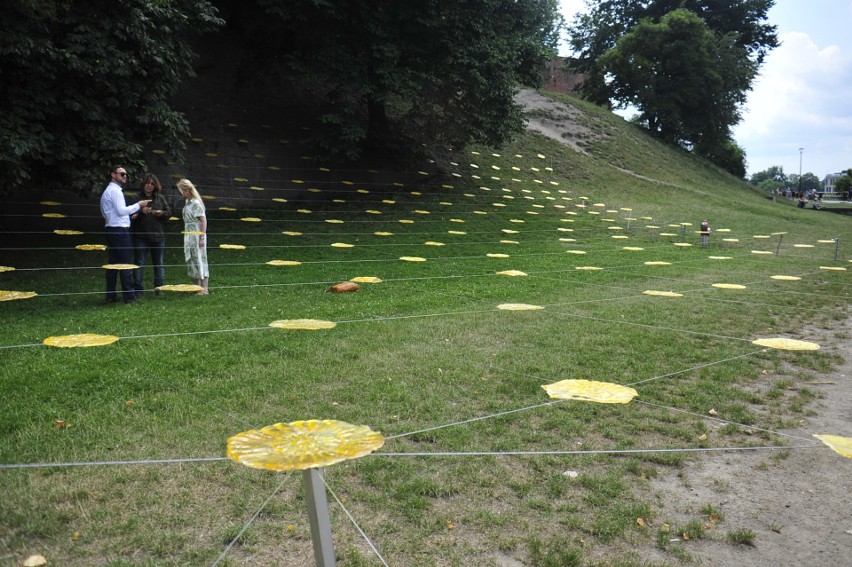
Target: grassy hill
430 356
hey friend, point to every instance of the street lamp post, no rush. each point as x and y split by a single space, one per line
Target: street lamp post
800 170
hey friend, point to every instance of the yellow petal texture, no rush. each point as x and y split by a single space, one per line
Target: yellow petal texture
232 246
590 268
120 266
658 263
91 247
786 344
840 445
303 444
591 391
303 324
342 245
765 252
7 269
497 255
284 263
291 233
511 273
786 278
412 259
721 257
63 232
728 286
84 340
662 293
519 307
832 268
250 219
53 215
684 244
366 279
6 295
185 288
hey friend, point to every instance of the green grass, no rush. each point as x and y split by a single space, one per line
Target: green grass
424 348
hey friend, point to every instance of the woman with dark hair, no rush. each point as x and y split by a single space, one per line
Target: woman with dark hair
147 229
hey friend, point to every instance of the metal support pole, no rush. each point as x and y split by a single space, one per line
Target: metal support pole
318 516
778 248
836 245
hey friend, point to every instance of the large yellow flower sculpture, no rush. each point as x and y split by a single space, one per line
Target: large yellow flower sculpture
284 263
91 247
303 444
120 266
303 324
591 391
662 293
366 279
183 288
84 340
7 269
840 445
786 344
519 307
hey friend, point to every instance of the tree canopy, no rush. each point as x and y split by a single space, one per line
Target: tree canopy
686 65
84 85
401 75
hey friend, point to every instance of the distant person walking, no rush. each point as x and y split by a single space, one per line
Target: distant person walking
147 230
194 236
116 213
704 230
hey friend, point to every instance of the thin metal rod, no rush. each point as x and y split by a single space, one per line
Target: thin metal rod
318 516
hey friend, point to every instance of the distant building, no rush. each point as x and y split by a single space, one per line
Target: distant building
559 78
828 182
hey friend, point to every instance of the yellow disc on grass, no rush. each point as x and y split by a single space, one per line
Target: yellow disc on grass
763 252
519 307
291 233
657 263
588 268
786 278
366 279
91 247
383 233
8 295
786 344
250 219
433 243
303 324
284 263
342 245
65 232
513 273
728 286
662 293
84 340
721 257
182 288
232 246
303 444
412 259
6 269
497 255
120 266
53 216
591 391
832 268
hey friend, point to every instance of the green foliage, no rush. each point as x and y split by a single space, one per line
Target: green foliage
774 173
85 85
398 76
687 66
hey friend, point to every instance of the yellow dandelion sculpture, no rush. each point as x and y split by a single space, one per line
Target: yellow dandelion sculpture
90 247
658 263
232 246
590 391
721 257
512 273
303 324
412 259
382 233
291 233
7 295
84 340
587 268
50 203
53 215
661 293
120 266
786 278
366 279
181 288
840 445
250 219
632 248
728 286
519 307
762 252
65 232
303 444
785 344
575 251
284 263
497 255
683 244
457 232
6 269
832 268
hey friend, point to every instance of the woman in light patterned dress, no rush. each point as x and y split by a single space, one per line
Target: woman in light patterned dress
195 235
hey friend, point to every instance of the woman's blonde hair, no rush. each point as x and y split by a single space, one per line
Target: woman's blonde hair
186 185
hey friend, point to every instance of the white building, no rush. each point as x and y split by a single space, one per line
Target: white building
828 182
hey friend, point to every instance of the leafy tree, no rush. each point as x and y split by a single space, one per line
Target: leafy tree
844 184
774 173
685 64
807 182
85 85
402 74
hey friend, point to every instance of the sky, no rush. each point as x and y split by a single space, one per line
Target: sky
802 97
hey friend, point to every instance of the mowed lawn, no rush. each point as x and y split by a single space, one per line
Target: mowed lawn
426 356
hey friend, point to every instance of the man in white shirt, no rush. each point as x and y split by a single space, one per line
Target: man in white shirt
116 215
